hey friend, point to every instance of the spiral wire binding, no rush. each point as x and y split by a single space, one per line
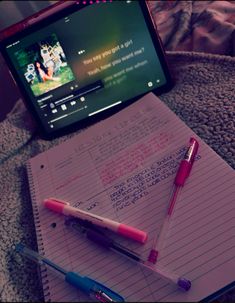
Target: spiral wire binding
43 270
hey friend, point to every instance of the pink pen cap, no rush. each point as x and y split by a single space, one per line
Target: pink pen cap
132 233
55 205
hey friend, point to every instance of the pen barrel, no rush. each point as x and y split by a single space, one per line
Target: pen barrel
95 219
181 282
165 274
79 282
163 233
122 229
126 252
92 288
99 239
182 173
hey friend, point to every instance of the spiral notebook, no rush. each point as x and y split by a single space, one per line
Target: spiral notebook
123 168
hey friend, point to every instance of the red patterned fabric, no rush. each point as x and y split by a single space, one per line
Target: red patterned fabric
202 26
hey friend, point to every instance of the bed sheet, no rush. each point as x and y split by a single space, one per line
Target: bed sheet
201 26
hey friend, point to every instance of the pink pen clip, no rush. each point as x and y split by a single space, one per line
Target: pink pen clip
180 178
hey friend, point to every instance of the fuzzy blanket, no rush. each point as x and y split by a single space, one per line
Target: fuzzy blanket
202 26
203 97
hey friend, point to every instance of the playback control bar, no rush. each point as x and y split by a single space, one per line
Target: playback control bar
80 92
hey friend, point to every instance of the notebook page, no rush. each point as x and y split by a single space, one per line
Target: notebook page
123 168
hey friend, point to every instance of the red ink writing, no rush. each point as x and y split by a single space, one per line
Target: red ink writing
126 162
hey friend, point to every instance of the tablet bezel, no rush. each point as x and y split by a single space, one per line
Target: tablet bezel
102 115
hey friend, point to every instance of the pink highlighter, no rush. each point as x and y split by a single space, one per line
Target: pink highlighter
63 207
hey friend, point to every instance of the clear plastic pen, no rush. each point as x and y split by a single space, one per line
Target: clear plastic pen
92 288
181 176
97 236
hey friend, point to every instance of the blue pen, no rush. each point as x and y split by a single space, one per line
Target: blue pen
91 287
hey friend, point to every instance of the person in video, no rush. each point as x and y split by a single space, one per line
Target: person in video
43 73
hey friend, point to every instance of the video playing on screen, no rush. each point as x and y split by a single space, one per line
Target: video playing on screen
79 65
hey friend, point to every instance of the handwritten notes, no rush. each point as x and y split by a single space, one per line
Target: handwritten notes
123 168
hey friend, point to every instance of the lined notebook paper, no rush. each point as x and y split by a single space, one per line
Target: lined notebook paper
123 168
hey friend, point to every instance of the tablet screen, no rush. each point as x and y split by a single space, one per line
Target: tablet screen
86 62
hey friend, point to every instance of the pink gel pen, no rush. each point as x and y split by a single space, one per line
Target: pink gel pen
119 228
181 176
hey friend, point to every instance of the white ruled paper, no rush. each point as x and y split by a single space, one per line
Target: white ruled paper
123 168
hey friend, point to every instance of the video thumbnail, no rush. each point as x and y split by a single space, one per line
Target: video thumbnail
44 65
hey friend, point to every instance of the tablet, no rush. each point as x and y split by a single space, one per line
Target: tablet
85 62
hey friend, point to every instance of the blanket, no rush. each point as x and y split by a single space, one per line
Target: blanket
203 97
202 26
